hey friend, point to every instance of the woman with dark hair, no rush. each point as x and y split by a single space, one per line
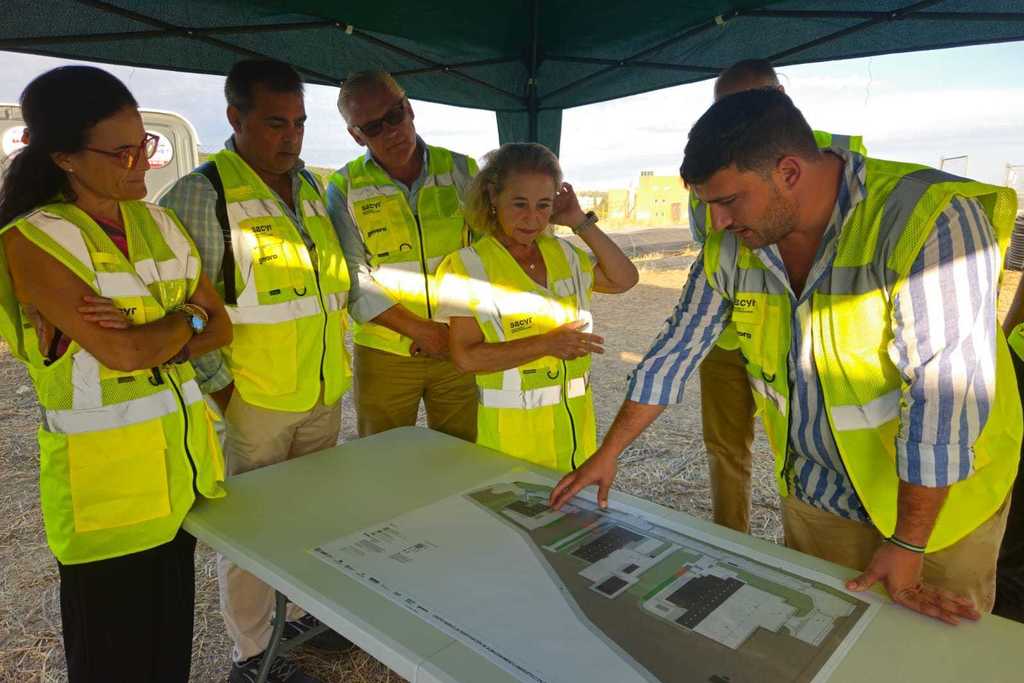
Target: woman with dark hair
102 298
518 305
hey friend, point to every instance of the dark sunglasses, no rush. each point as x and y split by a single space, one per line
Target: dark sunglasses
393 117
129 157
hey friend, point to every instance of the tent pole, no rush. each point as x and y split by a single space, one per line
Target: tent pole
532 100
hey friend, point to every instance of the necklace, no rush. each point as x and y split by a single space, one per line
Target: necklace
531 266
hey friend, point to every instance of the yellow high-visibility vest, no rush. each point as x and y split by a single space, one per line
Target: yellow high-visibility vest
404 250
1016 340
289 318
122 455
542 411
850 315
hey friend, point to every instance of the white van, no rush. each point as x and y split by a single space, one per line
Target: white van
176 155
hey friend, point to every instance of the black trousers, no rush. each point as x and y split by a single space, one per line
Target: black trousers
129 619
1010 571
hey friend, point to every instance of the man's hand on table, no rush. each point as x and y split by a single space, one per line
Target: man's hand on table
599 469
899 570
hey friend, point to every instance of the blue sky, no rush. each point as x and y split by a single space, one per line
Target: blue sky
914 107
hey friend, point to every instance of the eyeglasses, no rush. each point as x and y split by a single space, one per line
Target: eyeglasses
393 117
129 157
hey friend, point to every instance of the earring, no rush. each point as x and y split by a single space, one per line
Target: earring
494 212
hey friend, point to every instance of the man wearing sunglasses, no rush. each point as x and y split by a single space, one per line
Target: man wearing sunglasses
265 239
398 211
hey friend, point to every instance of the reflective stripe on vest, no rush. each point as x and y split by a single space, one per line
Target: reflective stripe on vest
134 411
533 398
871 415
296 309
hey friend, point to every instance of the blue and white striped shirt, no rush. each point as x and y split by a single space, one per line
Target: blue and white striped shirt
944 327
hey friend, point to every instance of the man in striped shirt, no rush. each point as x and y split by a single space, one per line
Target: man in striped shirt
726 404
789 204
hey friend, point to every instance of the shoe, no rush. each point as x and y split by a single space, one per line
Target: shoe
328 641
281 671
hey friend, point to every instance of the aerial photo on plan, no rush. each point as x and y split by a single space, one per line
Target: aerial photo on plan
642 584
587 594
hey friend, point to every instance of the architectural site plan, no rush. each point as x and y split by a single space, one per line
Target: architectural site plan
583 594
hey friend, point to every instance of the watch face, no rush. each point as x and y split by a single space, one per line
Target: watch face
197 324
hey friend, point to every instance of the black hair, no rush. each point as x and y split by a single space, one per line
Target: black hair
751 129
270 73
60 107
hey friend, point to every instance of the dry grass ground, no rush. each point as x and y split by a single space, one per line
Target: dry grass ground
667 465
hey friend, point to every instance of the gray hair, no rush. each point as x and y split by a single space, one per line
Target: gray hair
365 81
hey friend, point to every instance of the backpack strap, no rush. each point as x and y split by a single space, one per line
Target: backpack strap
313 181
209 170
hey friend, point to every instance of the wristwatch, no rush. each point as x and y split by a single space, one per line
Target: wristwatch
590 219
196 323
195 316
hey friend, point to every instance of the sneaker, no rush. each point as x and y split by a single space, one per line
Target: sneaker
281 671
328 641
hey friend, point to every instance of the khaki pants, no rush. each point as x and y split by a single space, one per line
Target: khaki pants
257 437
967 567
387 389
727 414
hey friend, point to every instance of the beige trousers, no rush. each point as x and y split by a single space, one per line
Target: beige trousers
727 414
967 567
257 437
388 388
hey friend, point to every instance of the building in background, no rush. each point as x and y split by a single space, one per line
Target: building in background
660 200
618 207
594 200
655 201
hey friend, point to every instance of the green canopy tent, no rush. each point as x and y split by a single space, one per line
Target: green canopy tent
526 60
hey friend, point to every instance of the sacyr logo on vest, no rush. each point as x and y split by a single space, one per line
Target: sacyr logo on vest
520 325
268 257
748 303
371 207
376 231
266 227
129 311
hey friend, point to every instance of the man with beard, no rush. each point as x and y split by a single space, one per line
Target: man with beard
863 294
726 404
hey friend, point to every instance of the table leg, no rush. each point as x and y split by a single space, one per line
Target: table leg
280 615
